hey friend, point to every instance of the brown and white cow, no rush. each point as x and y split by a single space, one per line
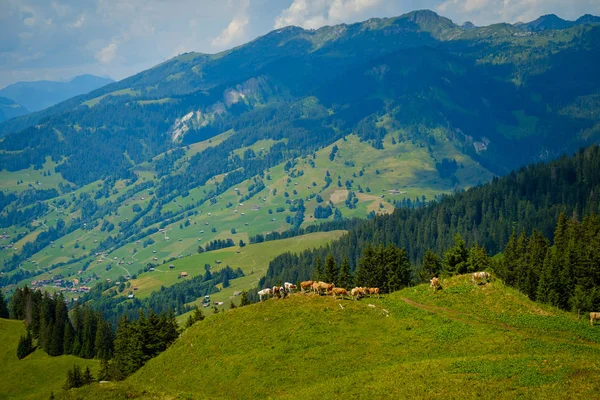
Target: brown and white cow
434 284
373 290
289 287
306 285
276 292
265 292
339 292
358 292
594 316
322 286
480 276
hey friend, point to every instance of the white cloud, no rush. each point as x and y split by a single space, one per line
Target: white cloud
29 21
236 30
107 54
79 22
316 13
233 32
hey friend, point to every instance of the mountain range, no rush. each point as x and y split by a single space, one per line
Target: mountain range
37 95
295 128
9 109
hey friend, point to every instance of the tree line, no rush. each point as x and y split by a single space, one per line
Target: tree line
530 198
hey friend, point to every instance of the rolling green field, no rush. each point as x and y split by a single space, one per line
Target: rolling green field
465 341
371 174
252 259
38 374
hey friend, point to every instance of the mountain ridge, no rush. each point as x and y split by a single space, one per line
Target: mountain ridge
38 95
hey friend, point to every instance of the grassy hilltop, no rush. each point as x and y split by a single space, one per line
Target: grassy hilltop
465 341
38 374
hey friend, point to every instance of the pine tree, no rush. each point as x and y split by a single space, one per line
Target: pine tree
432 266
74 378
68 339
331 270
398 269
25 346
189 322
478 259
3 307
318 274
87 376
455 259
366 267
89 334
104 373
345 278
103 343
244 299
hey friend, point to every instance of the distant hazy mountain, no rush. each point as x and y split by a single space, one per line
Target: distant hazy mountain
9 109
38 95
552 21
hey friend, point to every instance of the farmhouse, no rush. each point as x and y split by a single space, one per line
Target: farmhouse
171 266
184 274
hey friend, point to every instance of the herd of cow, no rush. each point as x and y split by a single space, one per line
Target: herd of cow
317 287
358 292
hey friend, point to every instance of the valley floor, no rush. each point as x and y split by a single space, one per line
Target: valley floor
465 341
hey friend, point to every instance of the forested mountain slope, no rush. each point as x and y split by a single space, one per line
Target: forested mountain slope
530 198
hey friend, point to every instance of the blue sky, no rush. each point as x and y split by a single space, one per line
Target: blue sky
59 39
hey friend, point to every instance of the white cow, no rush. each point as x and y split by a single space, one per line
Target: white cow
479 276
264 292
289 287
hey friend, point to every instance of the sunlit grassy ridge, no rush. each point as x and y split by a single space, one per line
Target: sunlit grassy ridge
38 374
465 341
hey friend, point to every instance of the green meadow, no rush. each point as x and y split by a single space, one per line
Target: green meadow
465 341
37 375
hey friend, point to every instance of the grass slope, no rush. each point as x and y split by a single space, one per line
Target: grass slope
38 374
465 341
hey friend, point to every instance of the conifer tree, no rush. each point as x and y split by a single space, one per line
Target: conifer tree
366 267
432 265
25 346
456 258
331 270
244 299
345 279
104 340
68 339
87 377
318 275
189 322
478 259
3 307
89 334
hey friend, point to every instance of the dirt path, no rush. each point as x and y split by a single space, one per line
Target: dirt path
476 321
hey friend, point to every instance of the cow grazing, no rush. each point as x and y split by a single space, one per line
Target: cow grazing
306 285
480 276
372 291
339 292
327 287
593 317
263 293
358 292
277 291
289 287
319 286
434 284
